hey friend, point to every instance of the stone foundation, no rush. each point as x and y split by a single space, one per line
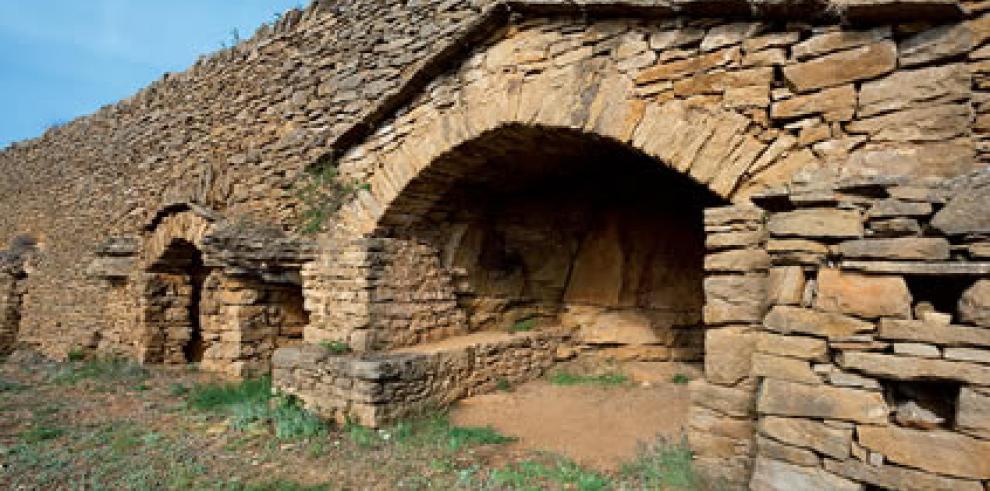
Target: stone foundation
378 388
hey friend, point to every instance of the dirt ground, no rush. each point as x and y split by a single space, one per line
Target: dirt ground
596 426
85 426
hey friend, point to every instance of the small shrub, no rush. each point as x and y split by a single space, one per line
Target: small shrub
564 474
362 436
524 325
565 378
322 191
10 386
177 390
336 347
294 422
459 437
680 379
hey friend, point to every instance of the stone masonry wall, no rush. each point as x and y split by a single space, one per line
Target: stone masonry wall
874 360
376 389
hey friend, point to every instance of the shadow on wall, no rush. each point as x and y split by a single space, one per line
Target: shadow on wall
12 288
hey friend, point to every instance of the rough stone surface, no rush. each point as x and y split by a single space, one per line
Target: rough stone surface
847 66
823 223
781 476
830 325
957 455
862 295
809 401
834 442
974 306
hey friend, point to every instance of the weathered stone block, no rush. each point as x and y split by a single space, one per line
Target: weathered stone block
957 455
817 223
863 295
974 306
743 261
834 442
926 332
821 401
973 412
935 44
895 477
785 285
912 368
774 475
772 449
843 67
903 89
784 368
731 401
786 319
801 347
966 212
728 354
907 248
836 104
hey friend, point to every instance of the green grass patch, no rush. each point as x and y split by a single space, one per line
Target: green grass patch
107 370
41 433
250 404
562 377
680 379
562 474
503 385
221 397
336 347
11 386
664 466
430 430
524 325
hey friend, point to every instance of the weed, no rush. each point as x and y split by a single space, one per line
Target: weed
362 436
41 433
221 397
561 377
664 466
76 354
116 370
503 384
680 379
458 437
524 325
292 421
177 390
336 347
322 191
10 386
536 475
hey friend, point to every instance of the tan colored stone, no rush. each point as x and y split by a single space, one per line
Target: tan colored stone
936 124
895 477
974 306
802 347
726 400
844 379
956 455
816 223
784 368
912 368
916 159
838 40
784 398
905 89
934 333
772 449
774 475
682 68
973 412
743 260
834 326
834 442
917 349
935 44
863 295
733 240
728 34
619 328
923 248
796 245
785 285
967 354
674 38
843 67
728 354
709 421
836 104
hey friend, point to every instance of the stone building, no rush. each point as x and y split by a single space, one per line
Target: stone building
460 191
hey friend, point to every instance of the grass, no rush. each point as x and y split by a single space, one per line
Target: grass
250 404
664 466
105 370
336 347
563 474
525 325
680 379
41 433
562 377
431 430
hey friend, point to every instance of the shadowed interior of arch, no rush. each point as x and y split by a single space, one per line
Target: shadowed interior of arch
173 297
536 229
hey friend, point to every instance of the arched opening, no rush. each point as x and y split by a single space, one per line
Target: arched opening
174 306
526 229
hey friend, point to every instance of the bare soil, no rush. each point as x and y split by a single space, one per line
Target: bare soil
596 426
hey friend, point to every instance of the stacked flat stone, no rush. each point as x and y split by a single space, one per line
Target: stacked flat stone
851 344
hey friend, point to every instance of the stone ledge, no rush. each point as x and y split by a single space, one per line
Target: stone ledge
919 268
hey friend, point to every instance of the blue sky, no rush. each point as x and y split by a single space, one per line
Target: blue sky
60 59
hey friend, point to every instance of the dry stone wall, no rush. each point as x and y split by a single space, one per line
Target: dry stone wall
873 359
